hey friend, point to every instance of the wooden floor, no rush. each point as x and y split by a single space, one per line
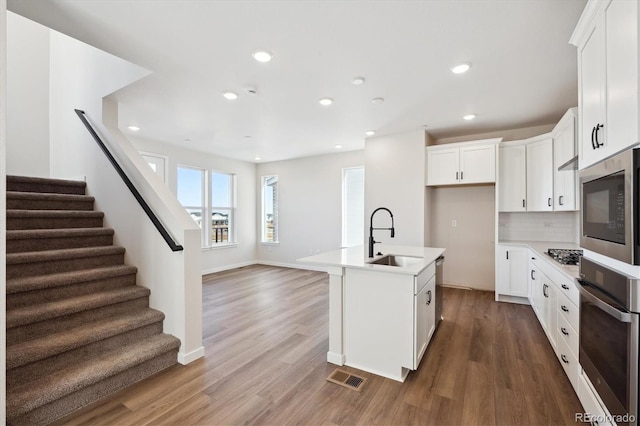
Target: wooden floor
266 338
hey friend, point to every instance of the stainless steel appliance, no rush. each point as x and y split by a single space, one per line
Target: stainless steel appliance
609 209
609 307
439 271
565 256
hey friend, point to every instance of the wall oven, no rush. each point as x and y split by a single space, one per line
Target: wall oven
609 321
609 209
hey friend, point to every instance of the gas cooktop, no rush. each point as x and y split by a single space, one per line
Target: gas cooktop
565 256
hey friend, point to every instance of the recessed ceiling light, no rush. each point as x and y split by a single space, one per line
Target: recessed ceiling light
462 68
338 146
469 117
257 158
262 56
326 101
370 132
232 96
133 128
357 81
377 100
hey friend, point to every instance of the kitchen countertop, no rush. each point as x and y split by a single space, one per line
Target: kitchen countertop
540 247
354 257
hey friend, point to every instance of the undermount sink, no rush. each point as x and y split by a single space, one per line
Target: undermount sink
393 260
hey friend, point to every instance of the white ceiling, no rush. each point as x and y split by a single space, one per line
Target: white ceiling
523 69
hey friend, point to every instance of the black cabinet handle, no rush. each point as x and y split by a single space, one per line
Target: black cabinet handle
598 127
461 175
564 308
549 201
544 290
532 276
507 254
560 200
564 359
593 141
566 287
522 202
429 299
456 175
564 331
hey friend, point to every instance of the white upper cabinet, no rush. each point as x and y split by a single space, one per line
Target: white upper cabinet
540 176
607 40
512 190
462 163
565 150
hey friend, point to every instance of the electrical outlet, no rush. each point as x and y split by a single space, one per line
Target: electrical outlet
454 223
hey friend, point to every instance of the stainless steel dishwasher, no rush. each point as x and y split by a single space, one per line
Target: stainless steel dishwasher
439 265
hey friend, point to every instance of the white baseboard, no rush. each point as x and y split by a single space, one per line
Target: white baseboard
227 267
185 359
334 358
293 265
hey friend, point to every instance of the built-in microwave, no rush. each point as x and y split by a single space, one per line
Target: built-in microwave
609 207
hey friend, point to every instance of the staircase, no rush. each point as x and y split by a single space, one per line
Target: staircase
78 326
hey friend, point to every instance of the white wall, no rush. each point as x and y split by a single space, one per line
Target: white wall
3 206
395 178
27 97
82 77
217 259
310 206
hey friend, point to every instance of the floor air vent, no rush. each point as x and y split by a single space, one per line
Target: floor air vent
348 380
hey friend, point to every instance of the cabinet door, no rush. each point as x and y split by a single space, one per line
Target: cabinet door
424 308
512 265
533 279
443 166
478 164
592 86
550 310
621 75
540 176
564 182
512 179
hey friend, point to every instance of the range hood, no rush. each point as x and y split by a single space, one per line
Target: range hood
569 165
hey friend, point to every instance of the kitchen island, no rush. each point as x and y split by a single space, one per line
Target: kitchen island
381 309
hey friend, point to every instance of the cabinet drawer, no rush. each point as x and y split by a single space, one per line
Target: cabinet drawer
568 334
568 311
569 363
569 289
423 277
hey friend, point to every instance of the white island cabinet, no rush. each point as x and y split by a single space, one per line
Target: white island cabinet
381 317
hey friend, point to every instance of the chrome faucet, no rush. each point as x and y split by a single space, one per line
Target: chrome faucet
371 228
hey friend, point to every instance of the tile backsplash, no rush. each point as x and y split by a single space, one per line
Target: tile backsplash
539 226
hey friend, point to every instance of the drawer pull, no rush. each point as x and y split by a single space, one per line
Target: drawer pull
564 308
564 286
564 359
564 331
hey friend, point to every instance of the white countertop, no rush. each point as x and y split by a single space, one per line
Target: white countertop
354 257
540 247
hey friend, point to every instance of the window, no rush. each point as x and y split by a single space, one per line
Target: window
352 206
270 209
210 200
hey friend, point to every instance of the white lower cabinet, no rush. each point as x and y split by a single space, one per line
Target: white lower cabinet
511 275
425 319
593 414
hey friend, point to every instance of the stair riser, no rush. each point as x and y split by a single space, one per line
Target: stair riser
26 204
62 265
36 244
41 368
17 223
44 188
38 329
63 406
18 300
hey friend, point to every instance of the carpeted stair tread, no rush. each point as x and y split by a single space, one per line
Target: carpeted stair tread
39 239
38 282
50 255
16 213
44 185
23 234
48 201
45 311
32 395
53 344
